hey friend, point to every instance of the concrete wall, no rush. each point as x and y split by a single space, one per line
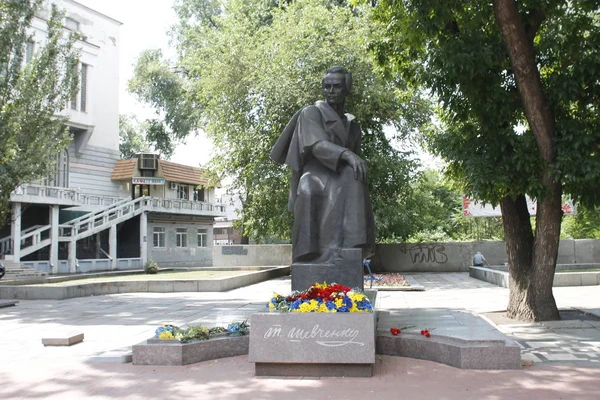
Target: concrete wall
410 257
247 255
457 256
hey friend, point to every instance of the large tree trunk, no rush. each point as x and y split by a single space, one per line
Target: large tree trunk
531 296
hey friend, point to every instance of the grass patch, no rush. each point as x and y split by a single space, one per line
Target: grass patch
161 276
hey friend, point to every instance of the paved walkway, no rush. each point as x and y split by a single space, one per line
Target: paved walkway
113 323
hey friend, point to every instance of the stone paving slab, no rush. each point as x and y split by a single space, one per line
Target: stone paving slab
117 321
8 303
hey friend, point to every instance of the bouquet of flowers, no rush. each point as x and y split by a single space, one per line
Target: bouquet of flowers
322 298
200 332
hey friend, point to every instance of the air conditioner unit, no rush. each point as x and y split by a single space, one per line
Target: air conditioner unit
173 186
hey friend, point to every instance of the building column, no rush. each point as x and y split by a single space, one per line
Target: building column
98 245
112 246
54 212
143 238
15 231
73 256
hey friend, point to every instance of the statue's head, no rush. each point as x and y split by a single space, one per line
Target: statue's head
337 84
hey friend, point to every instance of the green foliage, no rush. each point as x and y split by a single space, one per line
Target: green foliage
164 88
132 139
249 65
31 95
151 267
193 332
454 50
583 225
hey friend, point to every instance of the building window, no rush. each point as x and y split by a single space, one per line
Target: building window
183 192
79 100
181 237
72 24
59 177
202 237
83 92
158 236
199 194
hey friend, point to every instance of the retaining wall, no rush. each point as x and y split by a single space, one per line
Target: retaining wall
410 257
247 255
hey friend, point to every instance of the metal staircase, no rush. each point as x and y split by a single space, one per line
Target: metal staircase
39 236
95 222
36 237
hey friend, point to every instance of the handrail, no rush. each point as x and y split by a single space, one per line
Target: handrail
73 194
83 223
23 232
90 215
36 232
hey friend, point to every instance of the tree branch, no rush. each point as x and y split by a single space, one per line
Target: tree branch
535 18
529 83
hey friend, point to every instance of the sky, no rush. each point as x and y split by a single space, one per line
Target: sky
145 26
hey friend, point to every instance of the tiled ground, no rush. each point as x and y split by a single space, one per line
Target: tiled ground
566 342
29 370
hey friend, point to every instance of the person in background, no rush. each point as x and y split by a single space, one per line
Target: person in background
479 260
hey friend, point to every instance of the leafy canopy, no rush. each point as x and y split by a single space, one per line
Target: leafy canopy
32 94
455 50
249 65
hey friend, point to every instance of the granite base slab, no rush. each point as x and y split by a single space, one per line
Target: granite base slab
173 352
312 344
8 303
63 340
459 353
314 370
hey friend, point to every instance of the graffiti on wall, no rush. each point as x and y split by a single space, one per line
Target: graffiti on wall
426 253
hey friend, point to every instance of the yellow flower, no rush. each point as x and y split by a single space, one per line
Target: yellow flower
356 297
339 303
323 308
165 335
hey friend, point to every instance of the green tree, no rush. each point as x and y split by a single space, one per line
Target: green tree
583 225
165 88
132 137
518 104
249 65
32 94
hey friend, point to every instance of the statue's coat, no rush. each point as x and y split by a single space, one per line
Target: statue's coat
331 208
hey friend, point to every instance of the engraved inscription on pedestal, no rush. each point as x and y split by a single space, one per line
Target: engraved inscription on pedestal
321 338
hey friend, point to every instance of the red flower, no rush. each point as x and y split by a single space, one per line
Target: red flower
427 334
395 331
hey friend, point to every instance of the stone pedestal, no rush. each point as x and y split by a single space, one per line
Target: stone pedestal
312 344
347 272
173 352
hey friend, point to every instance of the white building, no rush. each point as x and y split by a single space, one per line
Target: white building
90 214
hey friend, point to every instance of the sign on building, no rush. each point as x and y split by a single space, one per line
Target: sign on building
147 181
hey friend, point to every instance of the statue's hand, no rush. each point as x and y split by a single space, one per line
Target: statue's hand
358 165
